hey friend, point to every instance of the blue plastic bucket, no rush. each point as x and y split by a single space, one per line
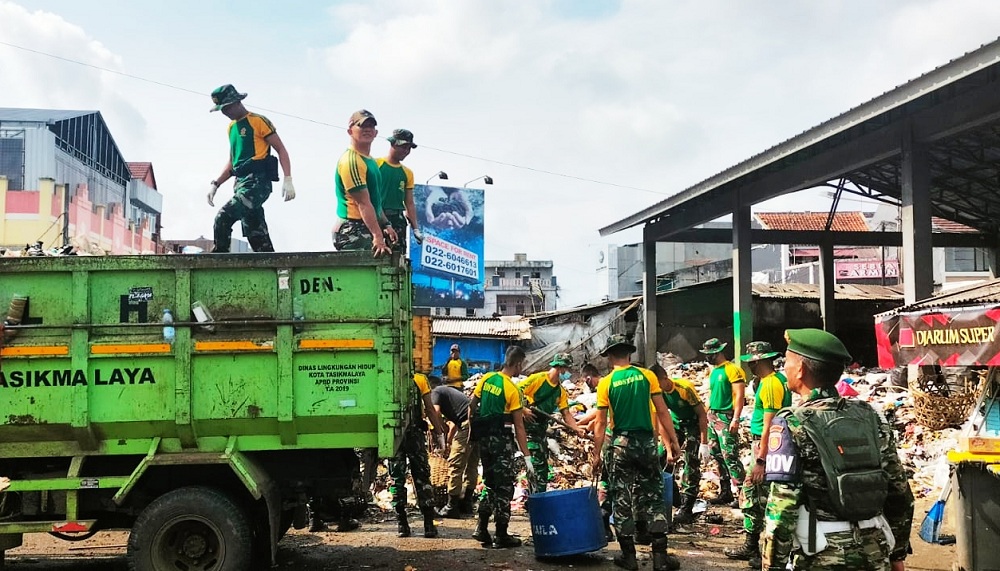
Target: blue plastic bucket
668 494
566 522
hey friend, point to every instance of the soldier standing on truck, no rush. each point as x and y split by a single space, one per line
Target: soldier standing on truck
251 137
496 402
413 450
839 495
359 192
397 185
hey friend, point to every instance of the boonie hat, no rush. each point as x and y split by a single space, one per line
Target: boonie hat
400 136
616 341
758 351
817 344
561 360
225 95
711 346
359 117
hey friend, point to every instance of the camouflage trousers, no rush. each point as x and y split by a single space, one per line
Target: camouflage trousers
247 207
844 552
496 451
689 435
539 448
635 480
397 219
352 235
754 499
412 451
726 448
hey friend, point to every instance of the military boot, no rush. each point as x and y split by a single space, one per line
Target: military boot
627 558
452 510
725 496
465 506
663 561
403 525
482 535
748 551
430 530
503 540
609 535
685 514
642 536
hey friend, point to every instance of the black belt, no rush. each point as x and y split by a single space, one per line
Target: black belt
718 411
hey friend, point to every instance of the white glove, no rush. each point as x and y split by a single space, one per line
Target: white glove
418 236
529 468
288 189
441 442
211 193
704 452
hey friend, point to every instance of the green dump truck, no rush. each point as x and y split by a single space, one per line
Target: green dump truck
205 437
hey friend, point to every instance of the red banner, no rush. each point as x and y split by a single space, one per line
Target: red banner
950 337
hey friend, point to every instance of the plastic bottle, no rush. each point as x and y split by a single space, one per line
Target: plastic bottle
168 326
202 315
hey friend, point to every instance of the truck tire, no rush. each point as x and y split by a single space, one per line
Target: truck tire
194 529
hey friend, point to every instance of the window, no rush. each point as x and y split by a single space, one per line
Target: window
520 309
501 274
517 274
496 281
966 260
447 311
502 308
470 312
554 281
438 311
536 275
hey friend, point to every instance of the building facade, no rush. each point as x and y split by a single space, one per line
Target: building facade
63 180
513 287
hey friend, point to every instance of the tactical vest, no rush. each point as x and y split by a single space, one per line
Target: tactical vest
846 435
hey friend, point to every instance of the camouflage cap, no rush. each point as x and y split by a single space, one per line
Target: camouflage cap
758 351
817 344
712 346
401 136
225 95
616 341
360 116
561 360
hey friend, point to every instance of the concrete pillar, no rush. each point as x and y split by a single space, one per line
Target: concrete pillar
649 299
827 283
742 283
918 272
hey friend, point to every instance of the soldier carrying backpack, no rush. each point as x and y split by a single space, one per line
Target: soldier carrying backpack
839 497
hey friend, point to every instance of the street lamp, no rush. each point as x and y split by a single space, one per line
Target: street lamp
440 174
486 178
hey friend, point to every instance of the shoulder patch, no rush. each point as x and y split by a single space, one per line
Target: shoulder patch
782 453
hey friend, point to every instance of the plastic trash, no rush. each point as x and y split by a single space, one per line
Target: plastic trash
168 326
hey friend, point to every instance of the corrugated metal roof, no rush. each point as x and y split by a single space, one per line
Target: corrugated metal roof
980 294
842 221
40 115
842 291
508 327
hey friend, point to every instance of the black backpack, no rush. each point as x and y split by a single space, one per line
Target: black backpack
847 438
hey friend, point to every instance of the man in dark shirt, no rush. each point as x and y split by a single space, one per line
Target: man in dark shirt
463 461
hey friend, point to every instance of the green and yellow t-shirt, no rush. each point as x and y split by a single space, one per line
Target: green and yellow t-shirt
542 393
682 401
497 395
455 371
247 140
720 384
396 180
423 386
772 396
626 392
356 172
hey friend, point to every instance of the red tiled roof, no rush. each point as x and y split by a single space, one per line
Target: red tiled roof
942 225
139 170
842 221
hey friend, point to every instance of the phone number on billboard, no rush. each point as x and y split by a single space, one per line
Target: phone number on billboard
449 261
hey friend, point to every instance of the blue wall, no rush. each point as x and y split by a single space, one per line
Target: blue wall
482 355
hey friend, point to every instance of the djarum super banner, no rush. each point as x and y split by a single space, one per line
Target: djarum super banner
448 267
946 336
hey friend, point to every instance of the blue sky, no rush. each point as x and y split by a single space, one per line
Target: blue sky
645 94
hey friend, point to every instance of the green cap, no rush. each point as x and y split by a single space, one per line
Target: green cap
226 95
616 341
402 136
758 351
711 346
561 360
817 344
359 117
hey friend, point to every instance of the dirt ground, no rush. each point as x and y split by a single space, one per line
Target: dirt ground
375 546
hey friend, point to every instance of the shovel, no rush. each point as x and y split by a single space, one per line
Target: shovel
930 528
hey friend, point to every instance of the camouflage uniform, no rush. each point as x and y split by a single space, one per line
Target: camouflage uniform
689 435
412 450
635 479
246 206
540 392
353 235
496 451
539 481
860 549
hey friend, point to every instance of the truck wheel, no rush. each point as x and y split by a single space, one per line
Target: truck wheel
191 529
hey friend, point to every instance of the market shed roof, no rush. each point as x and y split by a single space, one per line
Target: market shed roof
513 327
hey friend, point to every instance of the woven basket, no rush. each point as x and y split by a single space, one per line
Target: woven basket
941 401
439 478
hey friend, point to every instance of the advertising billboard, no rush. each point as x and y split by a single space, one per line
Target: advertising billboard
448 266
946 336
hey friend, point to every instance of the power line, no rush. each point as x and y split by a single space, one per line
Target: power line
325 124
